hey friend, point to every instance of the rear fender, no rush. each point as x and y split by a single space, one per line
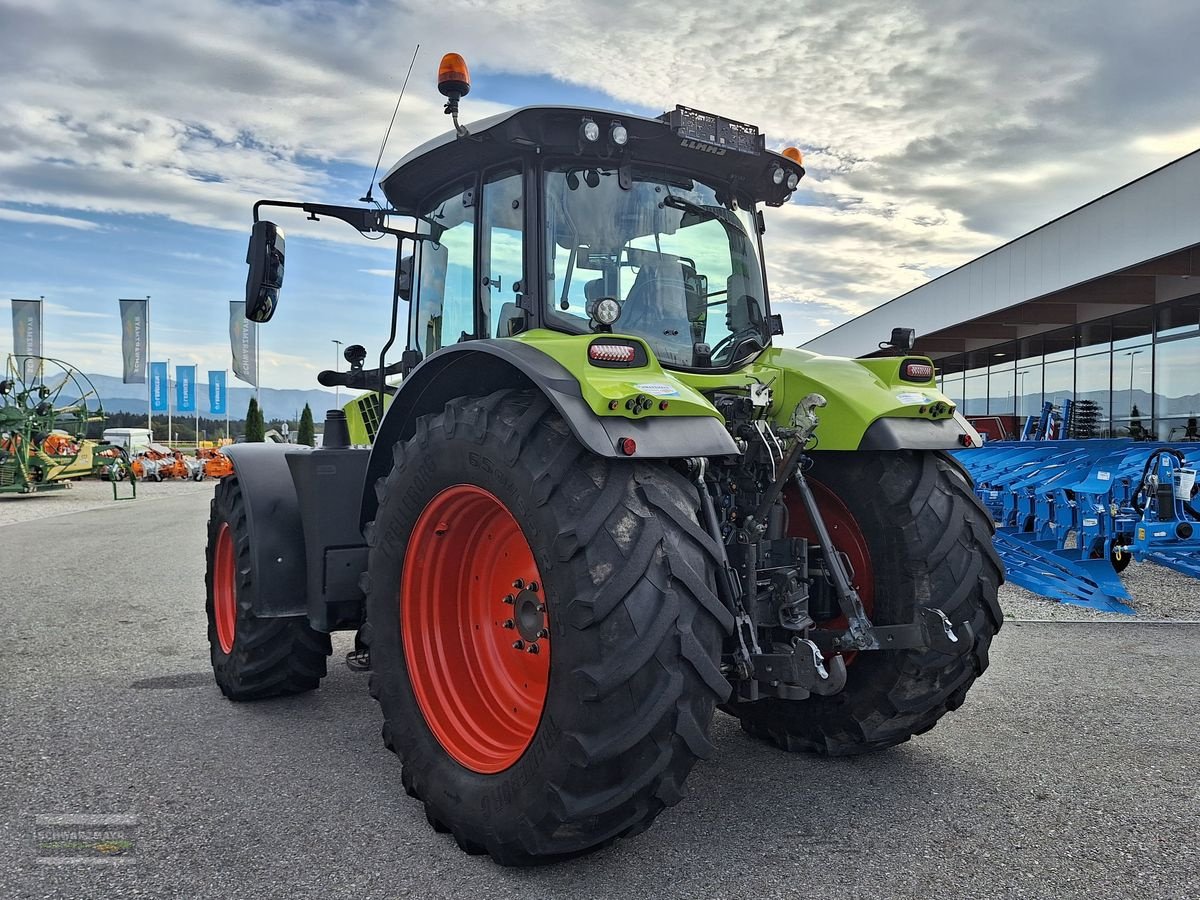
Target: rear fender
870 406
481 367
277 557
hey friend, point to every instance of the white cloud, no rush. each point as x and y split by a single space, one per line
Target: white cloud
58 309
31 218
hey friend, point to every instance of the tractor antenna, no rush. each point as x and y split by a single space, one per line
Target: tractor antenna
371 184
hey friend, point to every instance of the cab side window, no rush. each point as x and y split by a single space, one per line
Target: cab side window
445 312
502 251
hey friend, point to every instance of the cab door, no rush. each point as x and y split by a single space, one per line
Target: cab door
501 251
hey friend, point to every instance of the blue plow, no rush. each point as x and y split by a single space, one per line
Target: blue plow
1071 514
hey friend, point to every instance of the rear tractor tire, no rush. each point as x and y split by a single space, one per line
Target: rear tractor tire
916 536
544 630
252 658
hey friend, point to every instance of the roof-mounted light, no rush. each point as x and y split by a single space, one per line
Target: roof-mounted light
618 134
454 81
794 155
589 131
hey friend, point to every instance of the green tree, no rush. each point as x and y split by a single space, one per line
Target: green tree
307 433
255 426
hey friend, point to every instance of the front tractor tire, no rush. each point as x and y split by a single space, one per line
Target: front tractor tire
252 658
544 629
916 536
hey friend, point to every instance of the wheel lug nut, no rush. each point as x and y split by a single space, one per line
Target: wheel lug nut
543 633
518 645
533 586
532 648
509 599
519 583
509 623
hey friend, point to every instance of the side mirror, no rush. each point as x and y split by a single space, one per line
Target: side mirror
265 278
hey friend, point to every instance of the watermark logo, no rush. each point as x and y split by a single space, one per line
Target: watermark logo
85 839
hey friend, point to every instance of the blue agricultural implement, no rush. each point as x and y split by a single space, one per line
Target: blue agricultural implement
1071 514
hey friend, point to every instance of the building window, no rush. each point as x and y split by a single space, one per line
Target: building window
975 393
1180 317
1092 383
1132 329
1176 387
1059 381
1059 344
952 387
1029 388
1095 336
1132 383
1001 386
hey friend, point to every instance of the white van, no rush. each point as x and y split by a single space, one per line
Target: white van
134 440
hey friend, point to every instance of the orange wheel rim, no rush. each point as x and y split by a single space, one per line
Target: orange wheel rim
475 628
847 539
224 589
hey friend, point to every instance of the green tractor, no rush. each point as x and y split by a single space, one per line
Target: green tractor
601 503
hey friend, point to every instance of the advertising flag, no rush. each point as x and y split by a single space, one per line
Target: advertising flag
158 387
133 339
185 388
27 336
242 342
216 392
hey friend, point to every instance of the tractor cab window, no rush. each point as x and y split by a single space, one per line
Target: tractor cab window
501 252
677 254
445 298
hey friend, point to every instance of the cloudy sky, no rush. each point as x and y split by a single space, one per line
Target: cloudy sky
135 136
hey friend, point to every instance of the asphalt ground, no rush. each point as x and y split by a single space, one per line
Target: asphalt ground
1071 771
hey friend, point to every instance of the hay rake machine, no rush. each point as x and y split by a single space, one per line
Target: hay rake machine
1072 514
46 406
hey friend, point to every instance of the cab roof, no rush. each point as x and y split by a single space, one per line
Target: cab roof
554 132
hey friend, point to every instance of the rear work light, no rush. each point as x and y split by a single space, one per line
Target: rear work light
916 370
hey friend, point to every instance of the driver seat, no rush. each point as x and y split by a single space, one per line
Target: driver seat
657 301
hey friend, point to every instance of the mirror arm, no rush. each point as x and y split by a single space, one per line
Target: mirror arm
363 219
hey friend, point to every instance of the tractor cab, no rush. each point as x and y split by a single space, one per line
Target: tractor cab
582 221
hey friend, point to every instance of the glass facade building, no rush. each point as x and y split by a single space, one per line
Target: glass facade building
1140 369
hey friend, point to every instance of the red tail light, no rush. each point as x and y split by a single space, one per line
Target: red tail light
611 353
916 370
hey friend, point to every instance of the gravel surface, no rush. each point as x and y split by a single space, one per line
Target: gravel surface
91 493
1068 772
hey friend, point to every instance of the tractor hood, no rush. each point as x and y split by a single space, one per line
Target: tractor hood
718 149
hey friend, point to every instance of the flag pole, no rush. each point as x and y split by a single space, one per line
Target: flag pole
41 339
168 401
196 401
225 392
149 384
